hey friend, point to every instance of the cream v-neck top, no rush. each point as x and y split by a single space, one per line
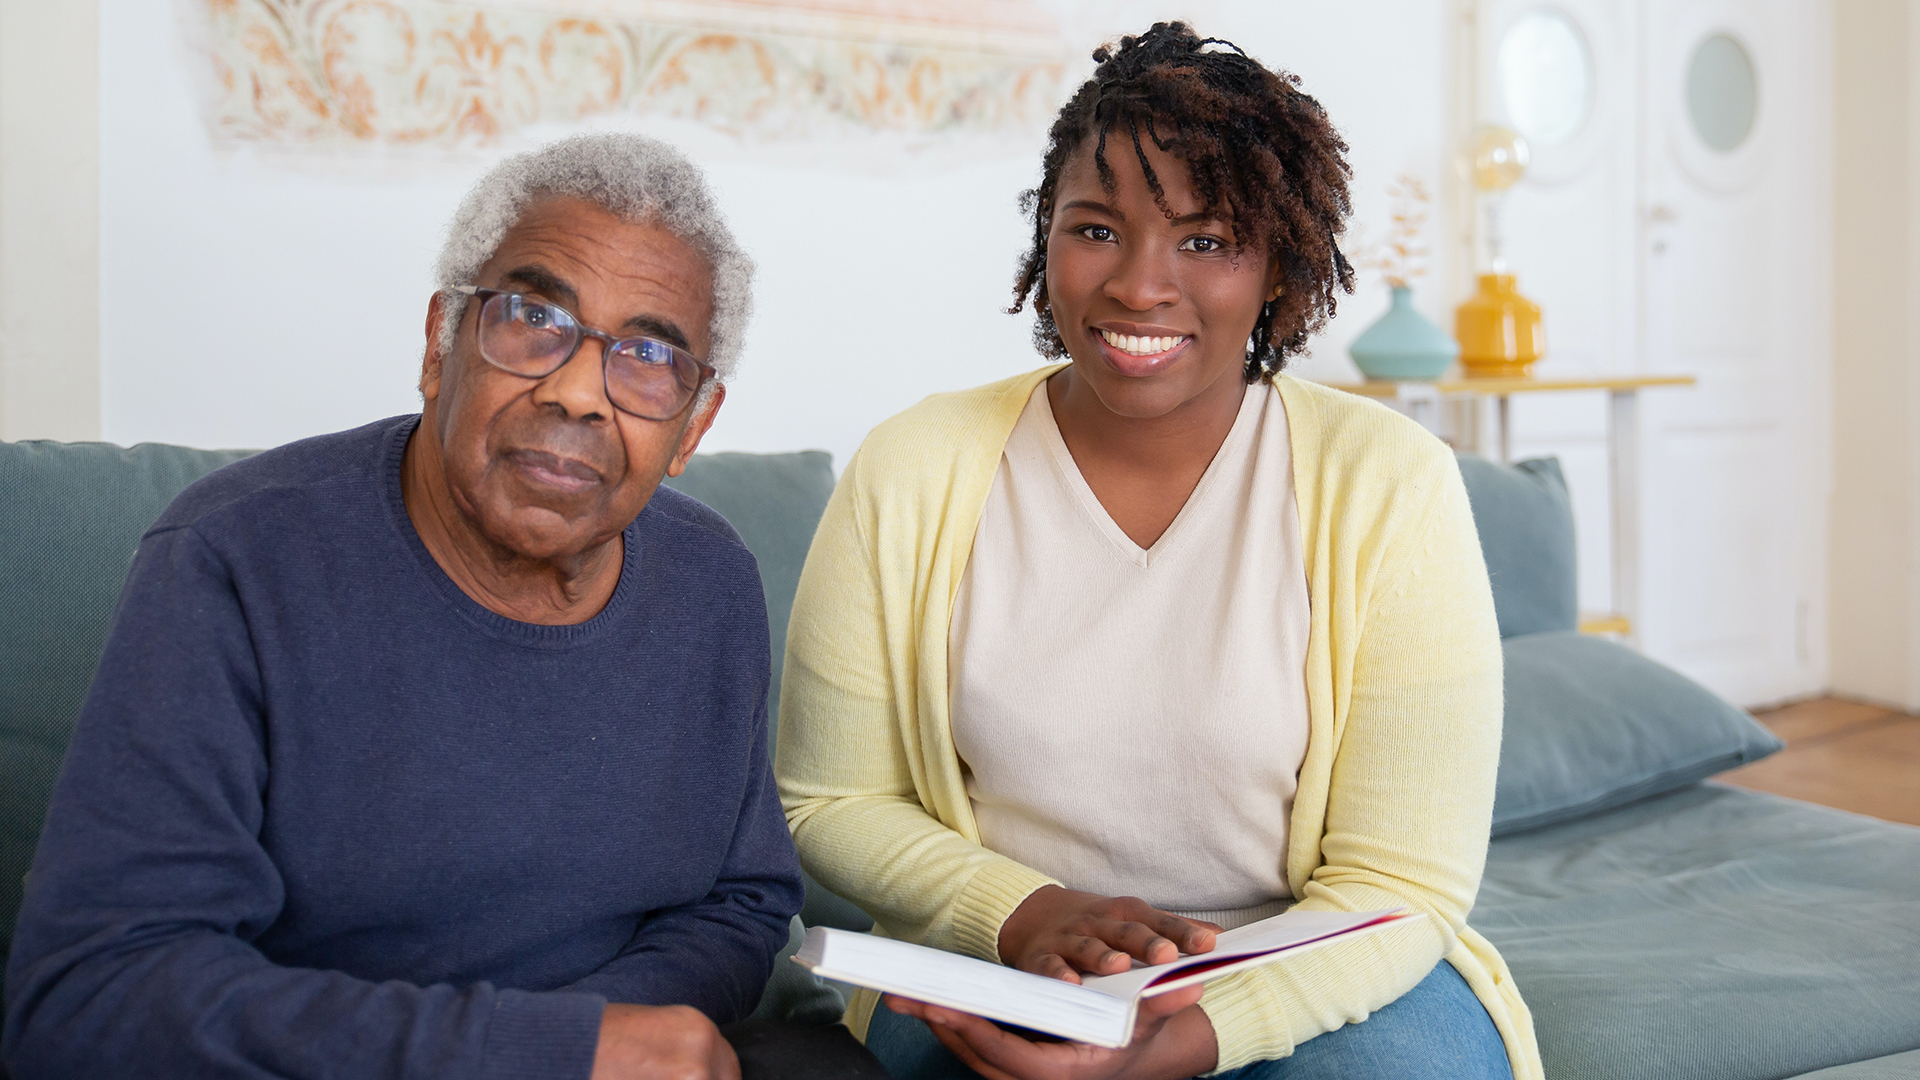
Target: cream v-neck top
1132 721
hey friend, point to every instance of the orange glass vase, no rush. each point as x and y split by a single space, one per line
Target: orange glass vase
1498 329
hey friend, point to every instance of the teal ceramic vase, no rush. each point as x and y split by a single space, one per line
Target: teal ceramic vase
1403 344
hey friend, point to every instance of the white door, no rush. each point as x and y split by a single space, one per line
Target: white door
1672 223
1733 240
1565 74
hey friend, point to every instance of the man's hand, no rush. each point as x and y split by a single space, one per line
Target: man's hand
1059 933
1172 1038
672 1042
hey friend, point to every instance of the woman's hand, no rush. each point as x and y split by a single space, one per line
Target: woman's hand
1060 933
1172 1038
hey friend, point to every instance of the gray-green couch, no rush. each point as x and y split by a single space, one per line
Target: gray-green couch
1659 926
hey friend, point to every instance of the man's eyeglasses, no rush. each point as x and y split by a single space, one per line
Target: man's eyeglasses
532 338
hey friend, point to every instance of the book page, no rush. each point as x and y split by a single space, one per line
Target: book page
1243 947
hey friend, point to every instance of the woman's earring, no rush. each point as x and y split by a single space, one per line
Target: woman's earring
1275 296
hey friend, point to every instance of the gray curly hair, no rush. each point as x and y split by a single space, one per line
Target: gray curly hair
638 178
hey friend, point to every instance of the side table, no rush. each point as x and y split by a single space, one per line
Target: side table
1473 415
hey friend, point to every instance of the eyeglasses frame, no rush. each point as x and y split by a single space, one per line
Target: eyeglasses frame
608 343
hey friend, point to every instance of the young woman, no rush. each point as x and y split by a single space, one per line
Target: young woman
1091 663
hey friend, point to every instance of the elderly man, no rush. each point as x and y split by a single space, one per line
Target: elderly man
438 747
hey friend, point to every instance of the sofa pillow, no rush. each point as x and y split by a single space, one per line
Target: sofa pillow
1591 725
1526 533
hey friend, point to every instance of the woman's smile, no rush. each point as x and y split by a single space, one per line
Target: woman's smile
1139 352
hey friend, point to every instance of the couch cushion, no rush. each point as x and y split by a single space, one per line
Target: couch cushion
1711 933
1525 520
1592 725
75 512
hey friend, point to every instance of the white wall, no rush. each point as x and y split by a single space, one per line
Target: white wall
1875 543
49 220
250 297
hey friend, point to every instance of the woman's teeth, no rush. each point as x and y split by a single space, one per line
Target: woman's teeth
1140 346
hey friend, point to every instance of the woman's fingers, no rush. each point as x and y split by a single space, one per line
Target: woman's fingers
1109 946
1094 951
995 1053
1053 966
1138 940
999 1054
1189 935
1105 945
904 1006
959 1047
1156 1009
959 1032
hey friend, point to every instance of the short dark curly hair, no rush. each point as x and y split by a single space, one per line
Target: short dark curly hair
1254 144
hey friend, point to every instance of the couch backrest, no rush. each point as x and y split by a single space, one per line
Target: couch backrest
71 515
773 501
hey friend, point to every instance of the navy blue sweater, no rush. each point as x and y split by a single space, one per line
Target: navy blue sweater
326 816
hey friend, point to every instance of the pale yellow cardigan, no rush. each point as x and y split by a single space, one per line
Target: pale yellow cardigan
1395 796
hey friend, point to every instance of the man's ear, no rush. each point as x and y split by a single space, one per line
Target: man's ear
695 430
431 360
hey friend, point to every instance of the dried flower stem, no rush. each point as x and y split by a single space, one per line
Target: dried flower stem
1399 257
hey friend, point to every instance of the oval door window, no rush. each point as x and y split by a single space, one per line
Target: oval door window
1546 76
1722 93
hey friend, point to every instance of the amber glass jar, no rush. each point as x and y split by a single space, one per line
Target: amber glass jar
1498 329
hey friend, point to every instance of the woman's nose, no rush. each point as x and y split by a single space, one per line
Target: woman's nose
1144 278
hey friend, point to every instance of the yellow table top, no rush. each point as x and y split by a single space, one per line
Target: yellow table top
1514 384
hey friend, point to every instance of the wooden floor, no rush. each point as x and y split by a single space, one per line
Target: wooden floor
1864 758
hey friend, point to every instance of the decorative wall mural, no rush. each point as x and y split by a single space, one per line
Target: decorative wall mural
448 73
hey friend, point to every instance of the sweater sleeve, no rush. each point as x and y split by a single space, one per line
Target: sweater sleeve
1410 800
133 953
849 755
716 954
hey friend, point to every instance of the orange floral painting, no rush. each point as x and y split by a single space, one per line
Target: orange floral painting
444 73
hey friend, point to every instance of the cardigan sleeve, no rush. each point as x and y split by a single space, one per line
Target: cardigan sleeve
1410 801
849 754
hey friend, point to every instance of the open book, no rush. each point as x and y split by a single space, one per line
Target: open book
1101 1009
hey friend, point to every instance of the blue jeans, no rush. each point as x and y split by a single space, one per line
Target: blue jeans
1436 1031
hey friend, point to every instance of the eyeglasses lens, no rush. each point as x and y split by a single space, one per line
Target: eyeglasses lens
648 378
526 336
